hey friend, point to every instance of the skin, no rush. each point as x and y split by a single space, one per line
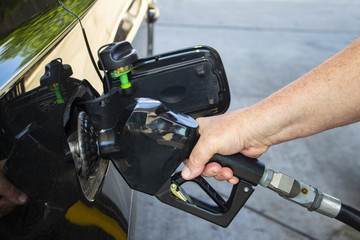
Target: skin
325 98
11 196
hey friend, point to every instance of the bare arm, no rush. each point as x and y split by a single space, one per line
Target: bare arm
325 98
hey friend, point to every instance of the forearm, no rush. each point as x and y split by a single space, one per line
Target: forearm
324 98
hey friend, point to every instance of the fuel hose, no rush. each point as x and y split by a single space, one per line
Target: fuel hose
310 197
349 216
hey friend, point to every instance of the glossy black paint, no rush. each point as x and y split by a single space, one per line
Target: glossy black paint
25 37
32 30
39 163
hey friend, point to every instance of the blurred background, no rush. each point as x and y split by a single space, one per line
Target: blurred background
265 45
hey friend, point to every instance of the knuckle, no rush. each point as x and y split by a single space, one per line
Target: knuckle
219 177
211 170
227 173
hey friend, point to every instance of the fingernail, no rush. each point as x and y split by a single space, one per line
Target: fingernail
186 172
22 198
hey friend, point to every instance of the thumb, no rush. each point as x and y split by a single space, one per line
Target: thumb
191 170
199 156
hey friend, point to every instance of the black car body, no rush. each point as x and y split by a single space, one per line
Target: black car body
32 34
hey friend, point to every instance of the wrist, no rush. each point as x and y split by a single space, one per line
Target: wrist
252 140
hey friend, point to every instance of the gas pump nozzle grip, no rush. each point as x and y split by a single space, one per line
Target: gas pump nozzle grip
253 171
248 169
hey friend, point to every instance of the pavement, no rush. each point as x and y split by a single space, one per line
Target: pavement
265 45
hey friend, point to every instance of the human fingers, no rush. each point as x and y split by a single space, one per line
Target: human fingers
9 191
200 154
195 165
220 173
215 137
211 169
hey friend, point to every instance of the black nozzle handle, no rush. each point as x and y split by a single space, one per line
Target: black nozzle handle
248 169
221 214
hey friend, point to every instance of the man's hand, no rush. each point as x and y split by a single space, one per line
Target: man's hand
320 100
225 134
11 196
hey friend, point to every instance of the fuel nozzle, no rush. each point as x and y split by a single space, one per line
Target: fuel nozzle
117 60
146 149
